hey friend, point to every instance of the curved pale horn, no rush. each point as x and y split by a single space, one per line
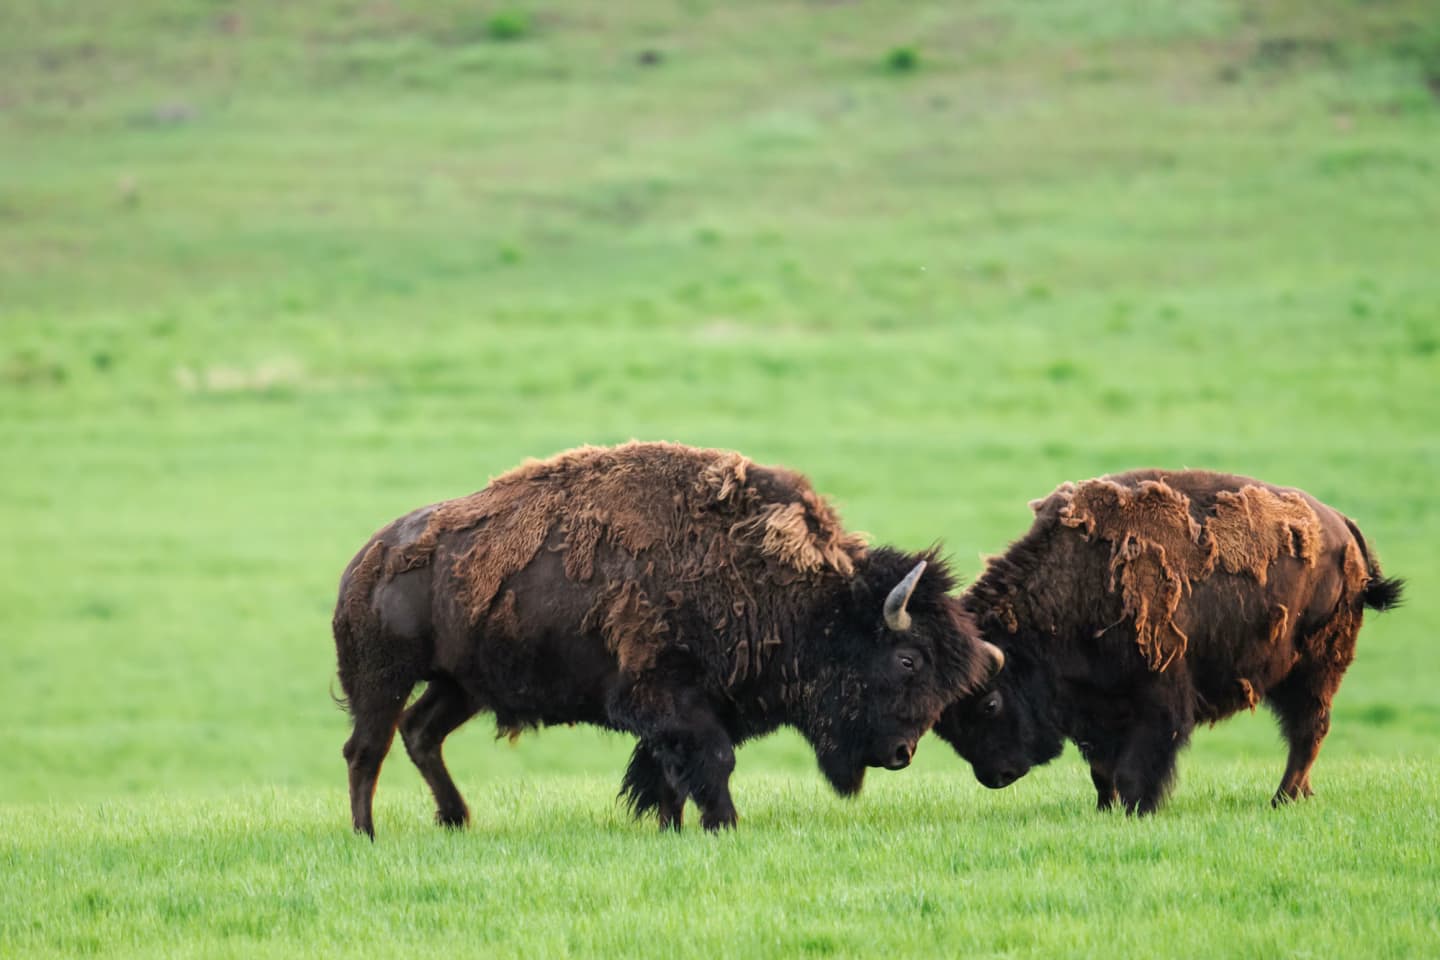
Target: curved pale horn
896 616
997 656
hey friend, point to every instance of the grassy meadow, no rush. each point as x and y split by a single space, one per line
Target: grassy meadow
273 274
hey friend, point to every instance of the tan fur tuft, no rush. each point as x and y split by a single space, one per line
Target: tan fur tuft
1158 547
642 499
1254 526
1155 552
633 627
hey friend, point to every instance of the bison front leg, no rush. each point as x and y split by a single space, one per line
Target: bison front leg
679 730
1101 757
1146 763
648 789
1104 780
698 761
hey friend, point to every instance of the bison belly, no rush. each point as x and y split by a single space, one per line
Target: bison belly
538 656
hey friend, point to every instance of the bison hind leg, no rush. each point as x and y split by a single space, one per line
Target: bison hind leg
377 674
646 789
442 708
1302 705
365 751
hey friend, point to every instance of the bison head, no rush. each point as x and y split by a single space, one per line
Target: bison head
1007 727
899 650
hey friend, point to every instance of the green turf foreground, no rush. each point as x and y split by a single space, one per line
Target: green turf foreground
918 866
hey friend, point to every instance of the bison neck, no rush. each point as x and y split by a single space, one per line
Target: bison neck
1039 598
1041 604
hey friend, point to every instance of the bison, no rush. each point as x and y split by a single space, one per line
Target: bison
1143 603
686 596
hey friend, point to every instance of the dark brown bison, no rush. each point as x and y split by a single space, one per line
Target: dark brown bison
689 597
1141 604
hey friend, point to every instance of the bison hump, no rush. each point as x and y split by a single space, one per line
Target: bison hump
663 503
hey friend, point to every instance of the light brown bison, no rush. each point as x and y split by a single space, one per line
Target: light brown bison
686 596
1143 603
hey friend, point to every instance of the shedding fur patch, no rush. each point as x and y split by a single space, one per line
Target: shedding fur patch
803 535
1155 552
1248 694
1334 643
648 501
1158 547
633 627
503 619
362 583
1253 526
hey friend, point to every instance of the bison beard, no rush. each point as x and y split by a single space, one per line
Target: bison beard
1140 604
686 596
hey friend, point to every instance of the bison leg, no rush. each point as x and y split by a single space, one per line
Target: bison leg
365 751
442 708
698 761
682 732
1146 763
646 788
1104 780
1099 752
1304 714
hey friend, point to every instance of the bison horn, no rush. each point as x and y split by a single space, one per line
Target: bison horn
896 617
997 656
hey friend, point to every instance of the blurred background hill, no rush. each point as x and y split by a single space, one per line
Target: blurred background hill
273 274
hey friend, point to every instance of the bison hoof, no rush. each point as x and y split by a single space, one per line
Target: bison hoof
452 820
1141 807
1283 796
720 820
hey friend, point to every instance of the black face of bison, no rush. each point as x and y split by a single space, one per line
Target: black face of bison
870 708
1006 729
872 715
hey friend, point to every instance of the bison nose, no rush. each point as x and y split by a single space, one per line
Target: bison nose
997 779
900 759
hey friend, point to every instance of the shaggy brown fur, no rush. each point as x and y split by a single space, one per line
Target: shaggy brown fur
1158 546
1254 525
587 494
688 596
1143 603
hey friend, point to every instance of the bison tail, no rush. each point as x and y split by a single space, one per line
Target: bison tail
1383 593
342 702
1380 593
345 655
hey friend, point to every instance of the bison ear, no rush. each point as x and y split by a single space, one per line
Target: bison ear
897 618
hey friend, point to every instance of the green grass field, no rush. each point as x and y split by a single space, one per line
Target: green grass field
272 274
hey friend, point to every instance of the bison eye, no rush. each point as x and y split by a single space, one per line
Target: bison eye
907 660
990 706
